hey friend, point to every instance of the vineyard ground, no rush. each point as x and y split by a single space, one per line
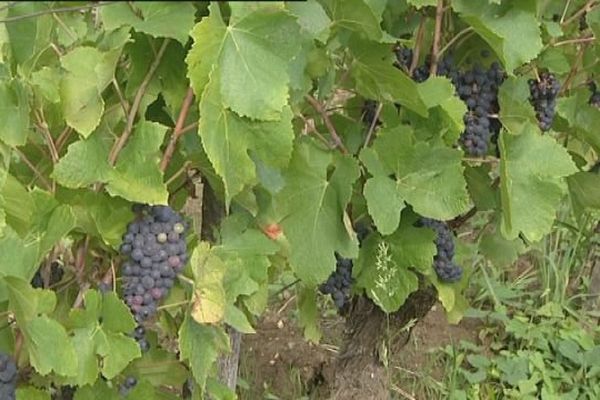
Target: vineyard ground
277 363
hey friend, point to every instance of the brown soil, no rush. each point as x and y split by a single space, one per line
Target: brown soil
278 363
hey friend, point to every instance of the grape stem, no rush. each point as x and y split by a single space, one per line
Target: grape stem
455 39
319 108
33 168
120 143
587 7
439 15
52 11
373 125
178 130
584 39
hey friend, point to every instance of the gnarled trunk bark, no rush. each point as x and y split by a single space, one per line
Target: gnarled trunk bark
359 372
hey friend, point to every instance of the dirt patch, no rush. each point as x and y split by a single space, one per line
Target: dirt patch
278 363
430 333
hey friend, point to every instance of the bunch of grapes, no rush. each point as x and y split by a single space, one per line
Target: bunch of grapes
339 282
443 265
478 88
595 96
156 252
543 98
56 275
404 58
8 377
127 385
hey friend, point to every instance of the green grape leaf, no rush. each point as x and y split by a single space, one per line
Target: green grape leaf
88 72
312 18
14 112
236 318
31 393
229 140
86 162
88 315
99 391
584 188
384 203
593 19
240 52
19 256
308 314
513 32
156 18
446 110
377 78
137 176
516 113
413 247
480 187
47 81
60 222
312 206
428 178
27 302
531 186
500 251
87 361
50 347
117 351
200 345
116 316
160 367
384 265
18 205
581 117
355 16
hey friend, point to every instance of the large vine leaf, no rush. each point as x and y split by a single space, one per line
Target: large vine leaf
251 55
88 72
429 178
14 112
312 18
137 177
584 188
46 340
208 305
582 118
311 207
355 16
229 140
156 18
200 345
377 78
446 111
531 186
512 31
384 267
101 330
515 113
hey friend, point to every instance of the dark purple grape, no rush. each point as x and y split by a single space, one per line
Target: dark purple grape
443 265
543 95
